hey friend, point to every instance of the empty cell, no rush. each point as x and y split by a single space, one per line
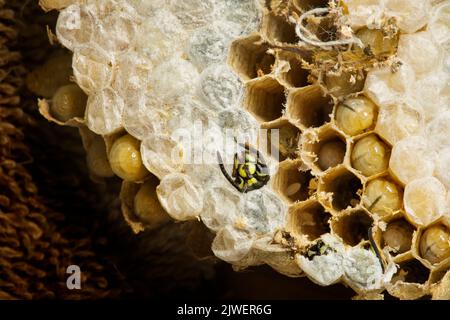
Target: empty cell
278 30
291 182
249 57
353 227
411 271
398 236
296 76
309 219
309 107
305 5
265 99
344 187
282 139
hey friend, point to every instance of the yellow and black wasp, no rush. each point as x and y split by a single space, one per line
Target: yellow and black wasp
250 171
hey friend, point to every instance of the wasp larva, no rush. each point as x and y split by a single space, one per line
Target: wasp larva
125 159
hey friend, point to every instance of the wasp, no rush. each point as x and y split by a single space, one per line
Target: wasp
250 171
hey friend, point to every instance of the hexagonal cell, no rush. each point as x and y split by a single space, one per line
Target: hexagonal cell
305 5
345 84
383 197
353 227
398 236
278 30
411 271
265 99
370 155
309 107
291 182
340 189
310 219
249 57
324 151
433 244
356 115
282 138
425 201
296 77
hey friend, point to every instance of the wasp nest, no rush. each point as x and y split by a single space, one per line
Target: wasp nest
349 180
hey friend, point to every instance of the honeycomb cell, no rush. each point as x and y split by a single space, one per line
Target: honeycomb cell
282 139
309 107
425 200
434 243
355 115
250 59
305 5
398 236
344 84
207 46
353 227
413 147
370 155
382 197
398 121
291 182
296 76
340 189
325 151
308 218
147 206
125 159
265 99
376 42
278 30
97 158
68 102
411 271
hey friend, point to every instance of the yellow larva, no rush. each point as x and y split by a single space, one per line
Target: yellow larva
435 244
370 156
355 115
68 102
382 197
125 159
147 206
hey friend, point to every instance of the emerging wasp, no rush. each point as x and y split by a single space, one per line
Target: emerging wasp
250 170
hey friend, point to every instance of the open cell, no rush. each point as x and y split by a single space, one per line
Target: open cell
309 107
296 76
265 99
305 5
353 227
310 219
282 139
398 236
291 182
328 151
278 30
341 189
250 59
412 271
